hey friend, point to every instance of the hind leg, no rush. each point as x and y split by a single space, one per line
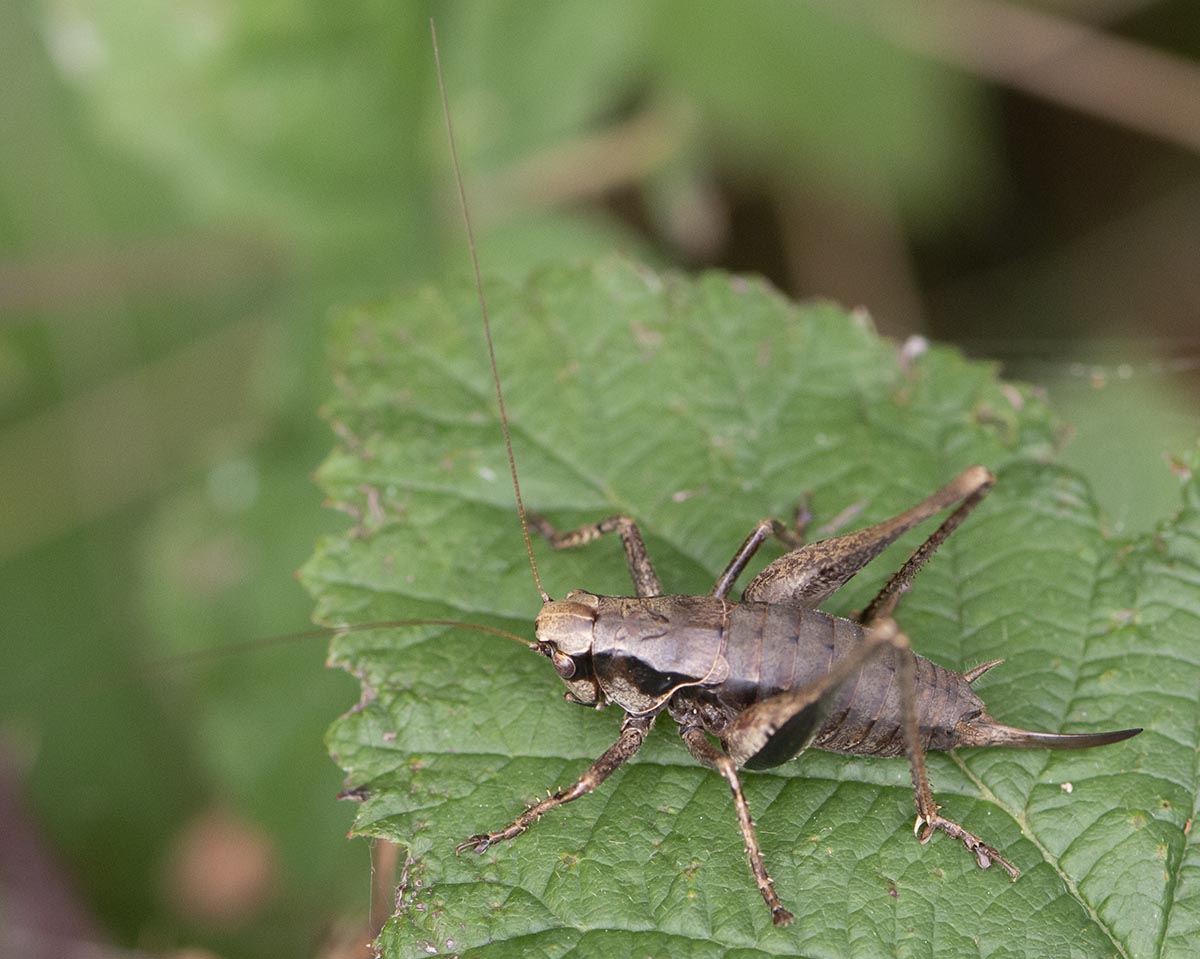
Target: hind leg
929 819
808 575
884 604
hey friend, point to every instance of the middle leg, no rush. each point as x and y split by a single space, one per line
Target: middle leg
708 755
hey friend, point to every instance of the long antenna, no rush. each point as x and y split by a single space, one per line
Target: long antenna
96 684
487 324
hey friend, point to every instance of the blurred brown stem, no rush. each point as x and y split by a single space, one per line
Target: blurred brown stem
43 915
1048 56
588 165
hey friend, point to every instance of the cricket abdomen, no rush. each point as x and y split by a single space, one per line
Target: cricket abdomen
773 648
866 716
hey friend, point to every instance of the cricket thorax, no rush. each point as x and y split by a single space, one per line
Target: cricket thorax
646 648
628 650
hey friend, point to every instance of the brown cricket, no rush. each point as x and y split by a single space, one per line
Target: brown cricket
770 675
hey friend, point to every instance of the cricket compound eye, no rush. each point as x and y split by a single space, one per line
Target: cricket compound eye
564 665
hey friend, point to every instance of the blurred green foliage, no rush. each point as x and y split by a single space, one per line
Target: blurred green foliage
187 190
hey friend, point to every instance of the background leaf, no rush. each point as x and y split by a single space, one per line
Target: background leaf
699 407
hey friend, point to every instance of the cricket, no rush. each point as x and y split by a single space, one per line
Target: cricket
752 681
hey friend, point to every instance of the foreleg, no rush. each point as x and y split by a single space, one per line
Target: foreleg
633 734
645 579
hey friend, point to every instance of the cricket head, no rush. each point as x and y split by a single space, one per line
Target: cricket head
564 635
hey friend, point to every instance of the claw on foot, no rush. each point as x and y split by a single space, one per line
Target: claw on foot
930 824
985 855
478 843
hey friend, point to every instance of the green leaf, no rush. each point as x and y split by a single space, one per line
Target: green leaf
699 407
